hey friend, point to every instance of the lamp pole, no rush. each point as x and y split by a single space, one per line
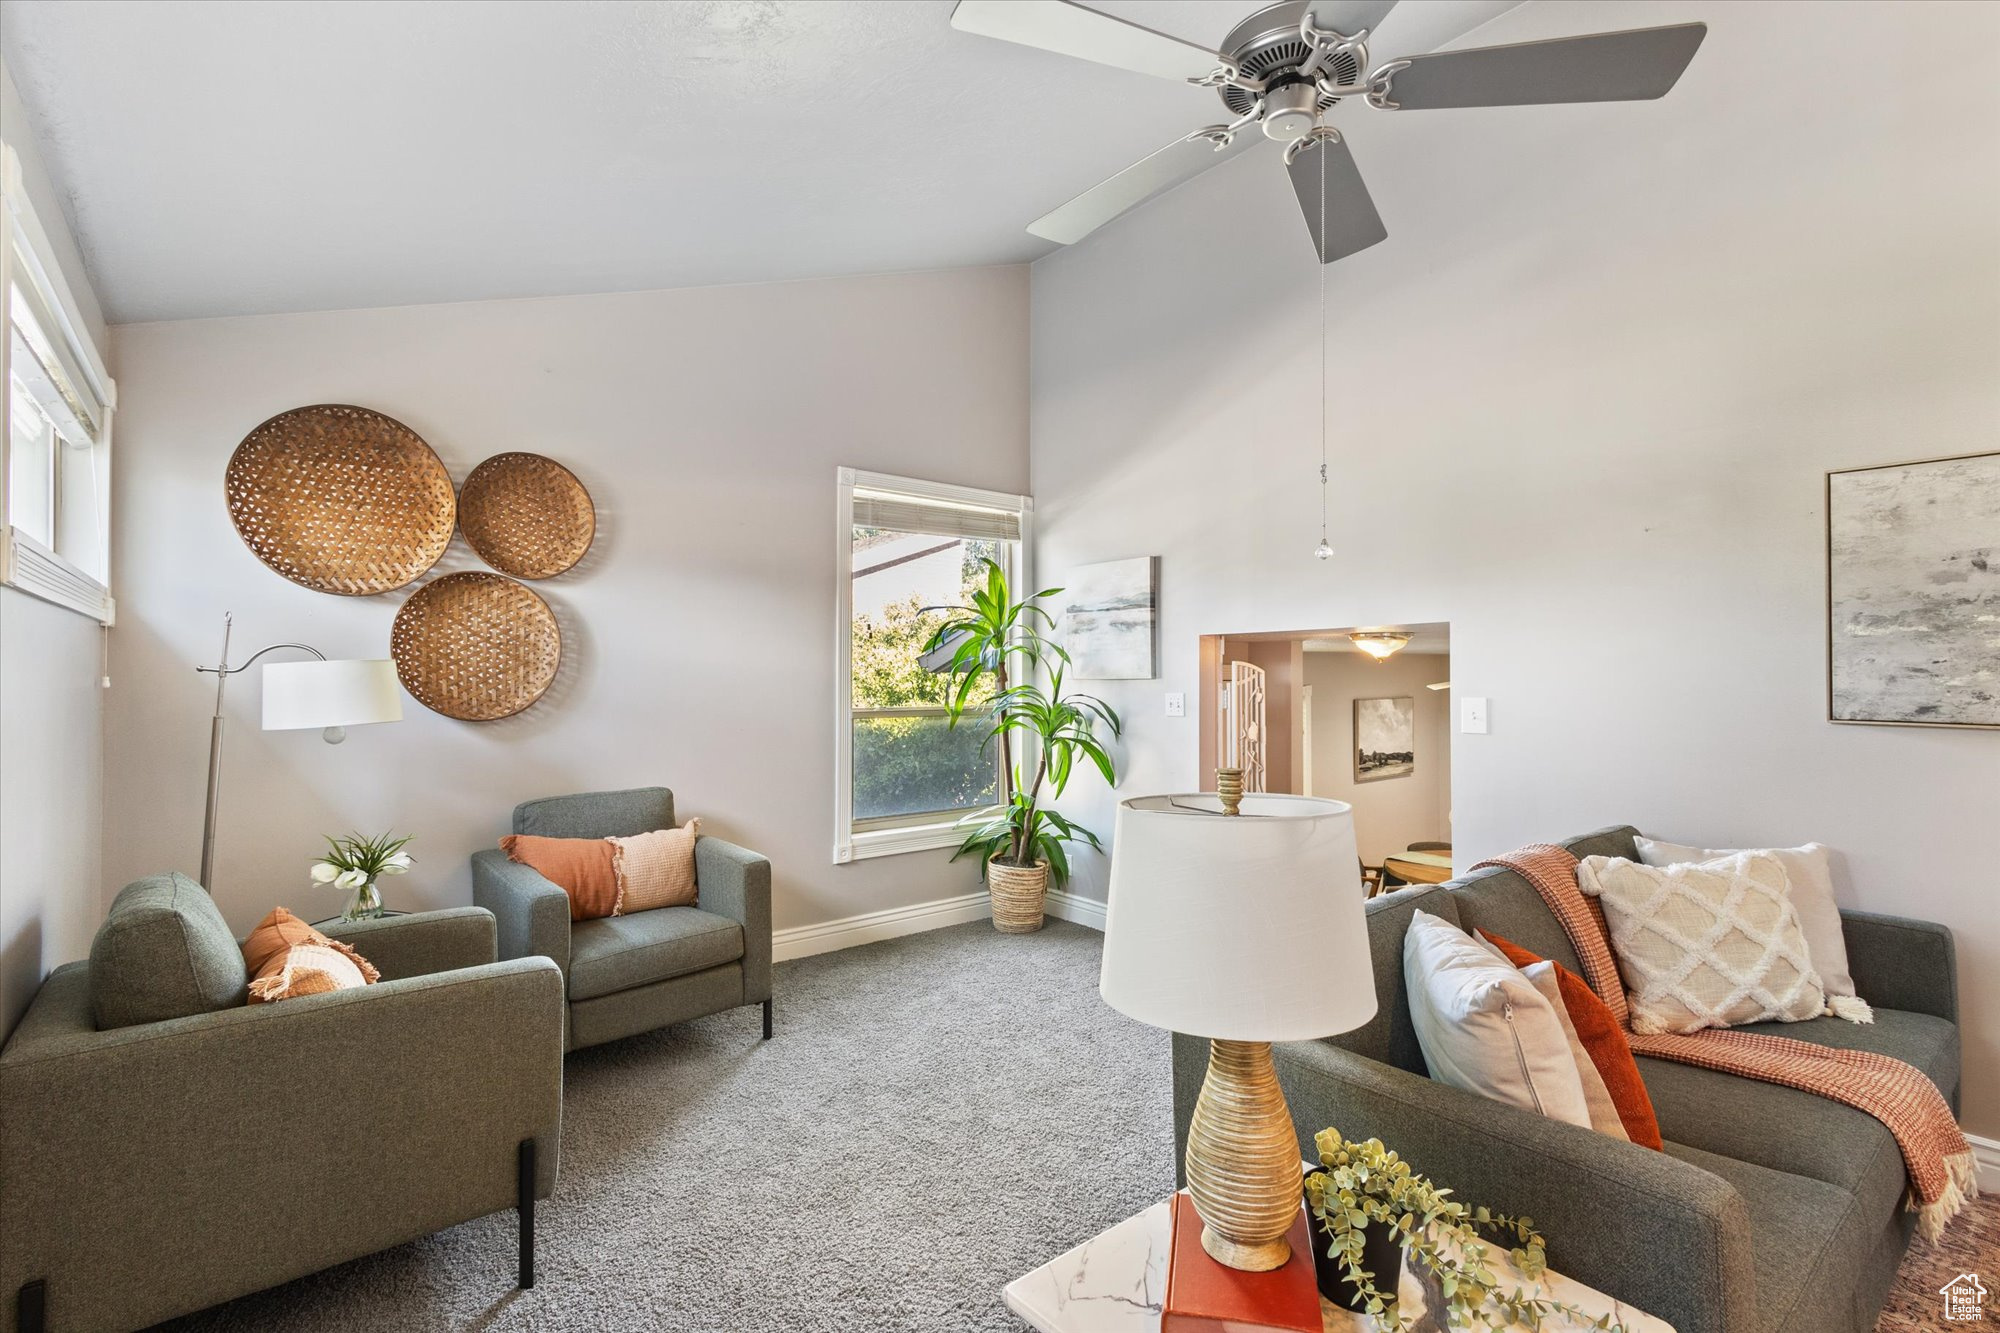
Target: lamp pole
223 671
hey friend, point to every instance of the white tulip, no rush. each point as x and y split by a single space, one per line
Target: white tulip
325 872
351 879
399 864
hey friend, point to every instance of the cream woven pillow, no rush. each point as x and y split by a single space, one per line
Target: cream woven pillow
655 869
1712 944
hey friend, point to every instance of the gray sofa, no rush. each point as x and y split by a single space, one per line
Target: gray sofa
624 975
1771 1210
165 1146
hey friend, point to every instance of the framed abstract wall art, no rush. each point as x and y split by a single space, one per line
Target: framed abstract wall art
1913 593
1110 619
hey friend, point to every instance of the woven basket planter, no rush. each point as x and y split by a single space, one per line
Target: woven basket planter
1018 894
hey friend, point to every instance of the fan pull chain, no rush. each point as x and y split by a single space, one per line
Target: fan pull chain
1324 550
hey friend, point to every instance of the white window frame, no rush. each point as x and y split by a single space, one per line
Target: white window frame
27 257
849 845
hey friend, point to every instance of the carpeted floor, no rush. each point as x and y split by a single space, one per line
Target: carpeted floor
936 1115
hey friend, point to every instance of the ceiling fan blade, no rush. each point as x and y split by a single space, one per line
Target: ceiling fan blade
1348 17
1633 66
1330 185
1178 161
1072 30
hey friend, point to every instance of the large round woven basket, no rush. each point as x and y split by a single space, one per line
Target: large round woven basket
526 515
1018 894
340 499
476 646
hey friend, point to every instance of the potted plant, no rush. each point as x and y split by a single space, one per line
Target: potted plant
355 862
1367 1205
1021 841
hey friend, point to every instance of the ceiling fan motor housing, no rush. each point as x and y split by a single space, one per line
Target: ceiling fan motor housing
1267 46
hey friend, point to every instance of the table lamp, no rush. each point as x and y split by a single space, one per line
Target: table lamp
1238 918
323 695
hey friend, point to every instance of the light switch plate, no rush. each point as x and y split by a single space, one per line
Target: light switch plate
1176 704
1472 716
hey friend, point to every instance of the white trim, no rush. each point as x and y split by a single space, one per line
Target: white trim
896 841
869 927
28 566
1986 1152
1083 911
849 846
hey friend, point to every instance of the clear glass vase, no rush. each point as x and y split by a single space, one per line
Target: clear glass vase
367 904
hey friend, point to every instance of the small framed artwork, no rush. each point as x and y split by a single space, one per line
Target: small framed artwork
1110 619
1913 593
1385 739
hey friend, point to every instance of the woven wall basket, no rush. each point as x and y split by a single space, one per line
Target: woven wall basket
340 499
476 646
526 515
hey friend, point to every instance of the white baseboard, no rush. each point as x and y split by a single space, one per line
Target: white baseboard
1987 1153
1083 911
846 933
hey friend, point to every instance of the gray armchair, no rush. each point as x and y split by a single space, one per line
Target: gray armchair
629 974
210 1148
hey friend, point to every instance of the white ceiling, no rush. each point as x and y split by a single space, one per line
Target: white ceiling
225 158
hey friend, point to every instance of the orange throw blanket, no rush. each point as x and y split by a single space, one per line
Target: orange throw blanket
1943 1176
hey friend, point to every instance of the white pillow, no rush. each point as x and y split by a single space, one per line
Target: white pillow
1810 875
1604 1116
1484 1027
1709 944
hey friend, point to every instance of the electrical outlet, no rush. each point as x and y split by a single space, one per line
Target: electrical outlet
1472 716
1176 704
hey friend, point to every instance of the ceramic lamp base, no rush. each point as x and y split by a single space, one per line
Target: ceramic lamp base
1243 1159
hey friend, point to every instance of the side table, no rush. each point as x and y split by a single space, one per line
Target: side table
1117 1281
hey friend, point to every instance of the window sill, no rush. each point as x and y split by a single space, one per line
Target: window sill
896 841
29 567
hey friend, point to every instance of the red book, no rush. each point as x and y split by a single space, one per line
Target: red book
1204 1296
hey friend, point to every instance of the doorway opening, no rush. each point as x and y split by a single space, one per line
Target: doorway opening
1323 712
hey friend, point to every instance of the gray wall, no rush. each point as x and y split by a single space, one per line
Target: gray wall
698 635
51 709
1389 813
1586 394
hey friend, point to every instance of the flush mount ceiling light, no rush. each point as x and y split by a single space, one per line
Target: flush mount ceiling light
1284 67
1380 646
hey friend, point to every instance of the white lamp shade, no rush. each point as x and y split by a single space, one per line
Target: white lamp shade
1247 927
345 693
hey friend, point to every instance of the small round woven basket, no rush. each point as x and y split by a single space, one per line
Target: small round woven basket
476 646
1018 894
526 515
340 499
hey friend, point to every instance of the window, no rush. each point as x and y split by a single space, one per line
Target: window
55 487
904 776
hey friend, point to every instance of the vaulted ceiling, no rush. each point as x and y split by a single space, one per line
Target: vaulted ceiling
224 158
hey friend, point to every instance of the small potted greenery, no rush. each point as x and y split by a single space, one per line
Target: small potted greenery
1366 1203
355 862
1021 841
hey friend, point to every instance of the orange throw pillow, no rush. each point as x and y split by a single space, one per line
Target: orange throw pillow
288 958
656 869
1604 1040
580 867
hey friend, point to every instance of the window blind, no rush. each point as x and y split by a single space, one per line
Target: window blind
908 513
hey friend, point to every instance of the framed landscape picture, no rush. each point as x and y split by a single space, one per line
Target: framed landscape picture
1385 739
1110 619
1913 593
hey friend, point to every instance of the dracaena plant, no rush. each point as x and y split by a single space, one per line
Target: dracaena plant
1030 715
1363 1184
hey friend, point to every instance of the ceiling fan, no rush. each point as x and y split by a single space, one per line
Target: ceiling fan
1282 68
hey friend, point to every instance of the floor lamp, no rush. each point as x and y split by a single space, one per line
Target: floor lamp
330 695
